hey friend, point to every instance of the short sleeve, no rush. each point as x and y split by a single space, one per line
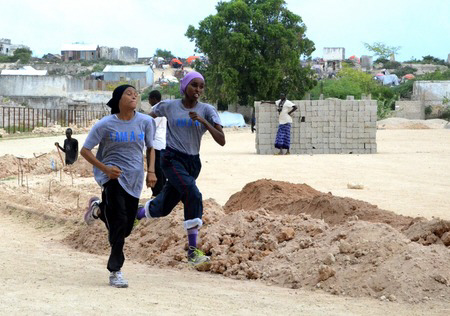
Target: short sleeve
160 108
95 135
150 129
289 104
212 116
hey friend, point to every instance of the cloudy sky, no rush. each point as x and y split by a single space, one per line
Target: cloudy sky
420 27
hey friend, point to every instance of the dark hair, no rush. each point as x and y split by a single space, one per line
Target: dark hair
69 130
117 94
155 94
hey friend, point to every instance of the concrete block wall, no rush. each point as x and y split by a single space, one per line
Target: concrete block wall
411 110
328 126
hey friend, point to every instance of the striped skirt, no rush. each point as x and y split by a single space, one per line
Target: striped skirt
283 139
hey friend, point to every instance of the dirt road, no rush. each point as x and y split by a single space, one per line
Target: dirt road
41 276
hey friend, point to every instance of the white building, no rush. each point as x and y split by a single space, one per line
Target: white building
24 71
6 48
142 73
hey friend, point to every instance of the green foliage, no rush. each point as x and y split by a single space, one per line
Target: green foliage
254 50
382 50
23 55
172 89
405 90
445 114
428 110
392 65
381 61
354 82
433 60
166 54
404 71
428 60
437 75
384 109
7 59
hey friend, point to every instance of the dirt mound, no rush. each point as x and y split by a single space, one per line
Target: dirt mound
286 198
42 164
356 258
275 196
270 240
402 123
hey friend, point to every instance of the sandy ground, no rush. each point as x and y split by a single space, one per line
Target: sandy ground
408 176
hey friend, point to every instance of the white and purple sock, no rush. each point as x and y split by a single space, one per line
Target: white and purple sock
140 213
192 234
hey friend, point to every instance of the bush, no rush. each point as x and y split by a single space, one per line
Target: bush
404 71
437 75
428 110
355 82
445 114
404 90
392 65
171 89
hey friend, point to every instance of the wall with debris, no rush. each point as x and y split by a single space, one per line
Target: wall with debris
51 92
46 86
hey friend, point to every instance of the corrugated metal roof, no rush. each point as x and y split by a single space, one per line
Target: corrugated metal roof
127 68
78 47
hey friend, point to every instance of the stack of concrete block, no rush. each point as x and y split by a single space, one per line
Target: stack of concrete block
330 126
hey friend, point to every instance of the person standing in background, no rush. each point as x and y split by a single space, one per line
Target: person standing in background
70 147
283 139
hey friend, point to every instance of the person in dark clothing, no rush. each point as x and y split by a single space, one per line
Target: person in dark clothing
253 122
159 143
188 120
70 147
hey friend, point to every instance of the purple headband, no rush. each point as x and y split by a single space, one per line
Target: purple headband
188 78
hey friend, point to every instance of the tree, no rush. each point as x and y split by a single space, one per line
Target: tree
166 54
382 50
253 49
23 55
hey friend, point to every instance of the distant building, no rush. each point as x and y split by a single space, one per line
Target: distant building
108 53
52 57
128 54
124 53
142 73
333 57
7 49
79 51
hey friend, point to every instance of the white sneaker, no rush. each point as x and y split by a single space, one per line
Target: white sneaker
92 210
116 279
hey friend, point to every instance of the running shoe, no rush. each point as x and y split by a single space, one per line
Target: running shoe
116 280
199 260
92 210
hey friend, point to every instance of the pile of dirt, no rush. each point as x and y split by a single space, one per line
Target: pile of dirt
294 236
12 166
55 129
280 197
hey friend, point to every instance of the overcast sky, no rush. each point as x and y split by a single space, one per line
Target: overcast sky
420 27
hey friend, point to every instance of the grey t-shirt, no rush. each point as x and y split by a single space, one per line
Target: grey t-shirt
122 145
183 134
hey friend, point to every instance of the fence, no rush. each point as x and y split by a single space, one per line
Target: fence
23 119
